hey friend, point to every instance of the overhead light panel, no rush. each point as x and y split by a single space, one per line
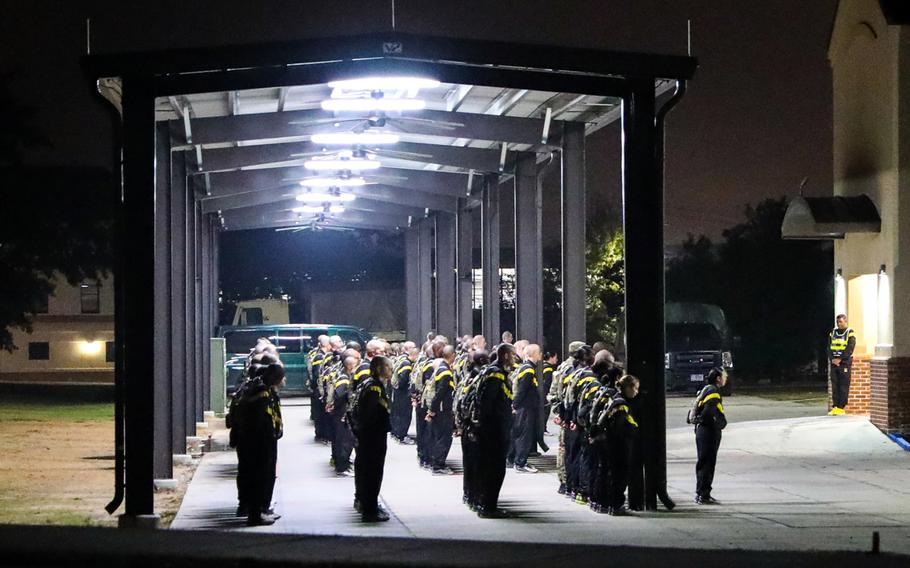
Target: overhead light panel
325 197
309 209
357 164
333 182
355 138
372 104
336 209
384 84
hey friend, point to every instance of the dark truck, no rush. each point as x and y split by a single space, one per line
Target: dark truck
294 341
698 339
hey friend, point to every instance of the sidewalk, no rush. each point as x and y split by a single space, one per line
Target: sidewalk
806 483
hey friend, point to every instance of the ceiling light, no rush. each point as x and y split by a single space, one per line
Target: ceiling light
336 209
384 83
325 197
333 182
371 104
354 138
342 164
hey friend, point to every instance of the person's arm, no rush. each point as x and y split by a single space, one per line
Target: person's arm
523 383
713 412
851 345
369 409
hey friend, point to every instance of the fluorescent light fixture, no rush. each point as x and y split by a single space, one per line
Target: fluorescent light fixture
90 347
342 164
384 84
336 209
325 197
371 104
333 182
355 138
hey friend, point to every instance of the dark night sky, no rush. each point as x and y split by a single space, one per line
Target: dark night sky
756 120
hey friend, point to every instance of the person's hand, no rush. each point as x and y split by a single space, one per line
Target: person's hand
329 408
572 426
557 421
836 361
428 417
514 411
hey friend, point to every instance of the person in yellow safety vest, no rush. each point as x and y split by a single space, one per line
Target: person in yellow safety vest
841 342
710 420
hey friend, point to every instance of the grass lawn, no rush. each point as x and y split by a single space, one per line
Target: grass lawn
57 462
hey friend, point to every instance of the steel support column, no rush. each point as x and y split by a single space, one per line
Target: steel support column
205 235
644 267
162 291
528 251
412 283
199 325
489 220
446 307
464 252
573 234
138 262
178 302
425 271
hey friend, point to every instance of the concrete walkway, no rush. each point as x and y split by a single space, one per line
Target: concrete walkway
807 482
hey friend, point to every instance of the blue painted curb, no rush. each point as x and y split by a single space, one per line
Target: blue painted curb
900 441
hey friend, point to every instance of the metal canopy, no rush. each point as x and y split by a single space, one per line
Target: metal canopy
821 218
253 141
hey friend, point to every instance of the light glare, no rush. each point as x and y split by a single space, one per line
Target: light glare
333 182
349 138
357 164
370 104
384 83
90 347
325 197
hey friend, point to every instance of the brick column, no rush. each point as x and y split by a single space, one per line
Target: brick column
890 394
859 401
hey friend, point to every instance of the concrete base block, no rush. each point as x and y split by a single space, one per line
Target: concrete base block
208 414
202 425
165 484
194 445
138 521
182 459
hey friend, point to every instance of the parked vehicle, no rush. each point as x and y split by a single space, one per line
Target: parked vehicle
698 339
294 342
262 311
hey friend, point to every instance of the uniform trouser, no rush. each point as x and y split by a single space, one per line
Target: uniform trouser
636 474
840 385
561 457
317 413
342 443
471 473
441 429
401 414
491 465
573 446
587 466
256 459
422 434
368 471
524 433
600 492
707 442
542 418
618 461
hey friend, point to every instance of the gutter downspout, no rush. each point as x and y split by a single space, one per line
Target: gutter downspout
660 163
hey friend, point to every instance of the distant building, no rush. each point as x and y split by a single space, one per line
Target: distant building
72 339
870 59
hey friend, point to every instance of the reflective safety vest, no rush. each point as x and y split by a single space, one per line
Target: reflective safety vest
840 340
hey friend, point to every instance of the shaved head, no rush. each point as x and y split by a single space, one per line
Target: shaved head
532 352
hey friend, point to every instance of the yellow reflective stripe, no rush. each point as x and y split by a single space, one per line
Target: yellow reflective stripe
361 373
263 394
443 374
507 391
631 420
525 372
711 396
588 393
499 376
405 368
720 407
452 385
376 389
342 382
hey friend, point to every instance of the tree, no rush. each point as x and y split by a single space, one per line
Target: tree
605 285
54 221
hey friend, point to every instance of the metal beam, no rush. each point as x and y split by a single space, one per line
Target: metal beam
225 159
425 267
163 343
268 218
489 220
446 301
287 204
137 353
178 202
410 202
528 250
412 283
439 183
270 125
464 255
644 269
573 235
